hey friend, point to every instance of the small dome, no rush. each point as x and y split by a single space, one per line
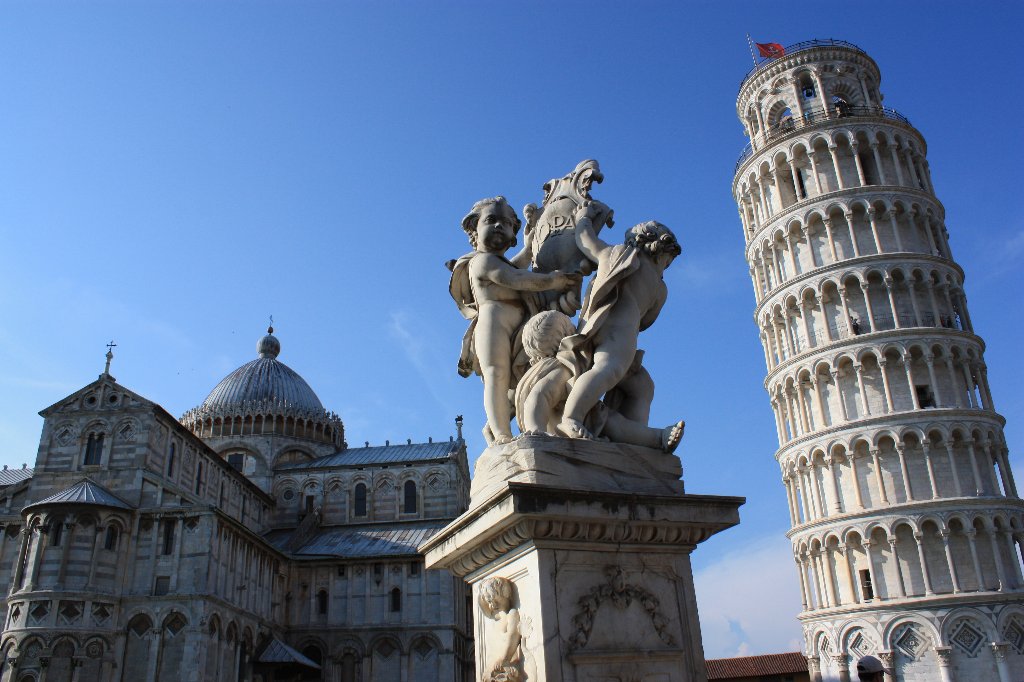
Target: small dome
262 382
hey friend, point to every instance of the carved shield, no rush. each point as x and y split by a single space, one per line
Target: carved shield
551 230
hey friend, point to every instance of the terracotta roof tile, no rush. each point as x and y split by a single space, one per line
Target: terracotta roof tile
754 666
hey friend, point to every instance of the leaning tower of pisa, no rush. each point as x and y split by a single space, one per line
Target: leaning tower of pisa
905 521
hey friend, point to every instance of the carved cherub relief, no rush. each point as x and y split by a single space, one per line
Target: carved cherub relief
503 657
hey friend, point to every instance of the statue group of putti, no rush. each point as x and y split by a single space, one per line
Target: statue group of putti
582 379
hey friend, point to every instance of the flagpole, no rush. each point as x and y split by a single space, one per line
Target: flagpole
750 44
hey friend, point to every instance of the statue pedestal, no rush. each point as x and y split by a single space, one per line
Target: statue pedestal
601 582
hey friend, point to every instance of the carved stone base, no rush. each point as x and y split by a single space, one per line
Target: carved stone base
591 586
577 465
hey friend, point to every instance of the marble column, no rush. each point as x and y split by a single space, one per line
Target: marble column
999 652
945 656
949 560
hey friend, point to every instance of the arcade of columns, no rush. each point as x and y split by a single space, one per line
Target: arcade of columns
907 527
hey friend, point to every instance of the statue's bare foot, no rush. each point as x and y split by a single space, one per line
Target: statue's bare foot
573 428
503 438
534 433
671 435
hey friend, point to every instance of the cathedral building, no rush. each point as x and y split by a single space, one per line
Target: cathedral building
243 542
906 520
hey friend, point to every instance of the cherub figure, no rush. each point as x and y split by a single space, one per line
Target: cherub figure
624 298
543 389
489 290
502 638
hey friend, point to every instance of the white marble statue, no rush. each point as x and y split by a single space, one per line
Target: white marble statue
579 381
489 291
503 659
624 298
541 392
550 230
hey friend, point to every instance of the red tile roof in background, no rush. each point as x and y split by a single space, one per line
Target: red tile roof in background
753 666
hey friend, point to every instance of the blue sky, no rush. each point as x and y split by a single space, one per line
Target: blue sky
173 173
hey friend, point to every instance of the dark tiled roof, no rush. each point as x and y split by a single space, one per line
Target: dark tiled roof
279 652
263 381
12 476
355 542
85 492
754 666
386 454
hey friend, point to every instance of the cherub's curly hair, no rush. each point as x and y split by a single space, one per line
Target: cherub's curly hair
496 587
473 217
653 238
543 332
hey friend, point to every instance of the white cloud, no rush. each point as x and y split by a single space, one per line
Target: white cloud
749 600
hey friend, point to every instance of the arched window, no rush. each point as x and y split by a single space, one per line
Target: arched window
168 544
409 507
110 541
396 600
321 602
199 477
93 449
56 532
170 460
313 653
360 500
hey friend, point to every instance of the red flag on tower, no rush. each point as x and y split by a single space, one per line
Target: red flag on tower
771 50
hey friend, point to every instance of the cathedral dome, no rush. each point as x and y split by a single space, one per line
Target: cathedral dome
264 396
265 381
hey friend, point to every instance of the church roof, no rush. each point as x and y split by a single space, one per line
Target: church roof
279 652
12 476
365 541
265 381
383 454
84 492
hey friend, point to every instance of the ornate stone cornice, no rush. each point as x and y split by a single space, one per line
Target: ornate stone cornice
529 514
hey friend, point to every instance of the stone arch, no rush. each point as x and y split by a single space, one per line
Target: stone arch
858 638
1010 626
385 657
912 640
139 647
172 646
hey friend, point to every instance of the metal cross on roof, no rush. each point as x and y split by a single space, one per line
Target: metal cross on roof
110 356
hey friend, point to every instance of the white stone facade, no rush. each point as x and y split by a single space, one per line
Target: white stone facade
148 555
906 522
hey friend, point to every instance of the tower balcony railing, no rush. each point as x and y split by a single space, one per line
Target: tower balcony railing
840 110
789 50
